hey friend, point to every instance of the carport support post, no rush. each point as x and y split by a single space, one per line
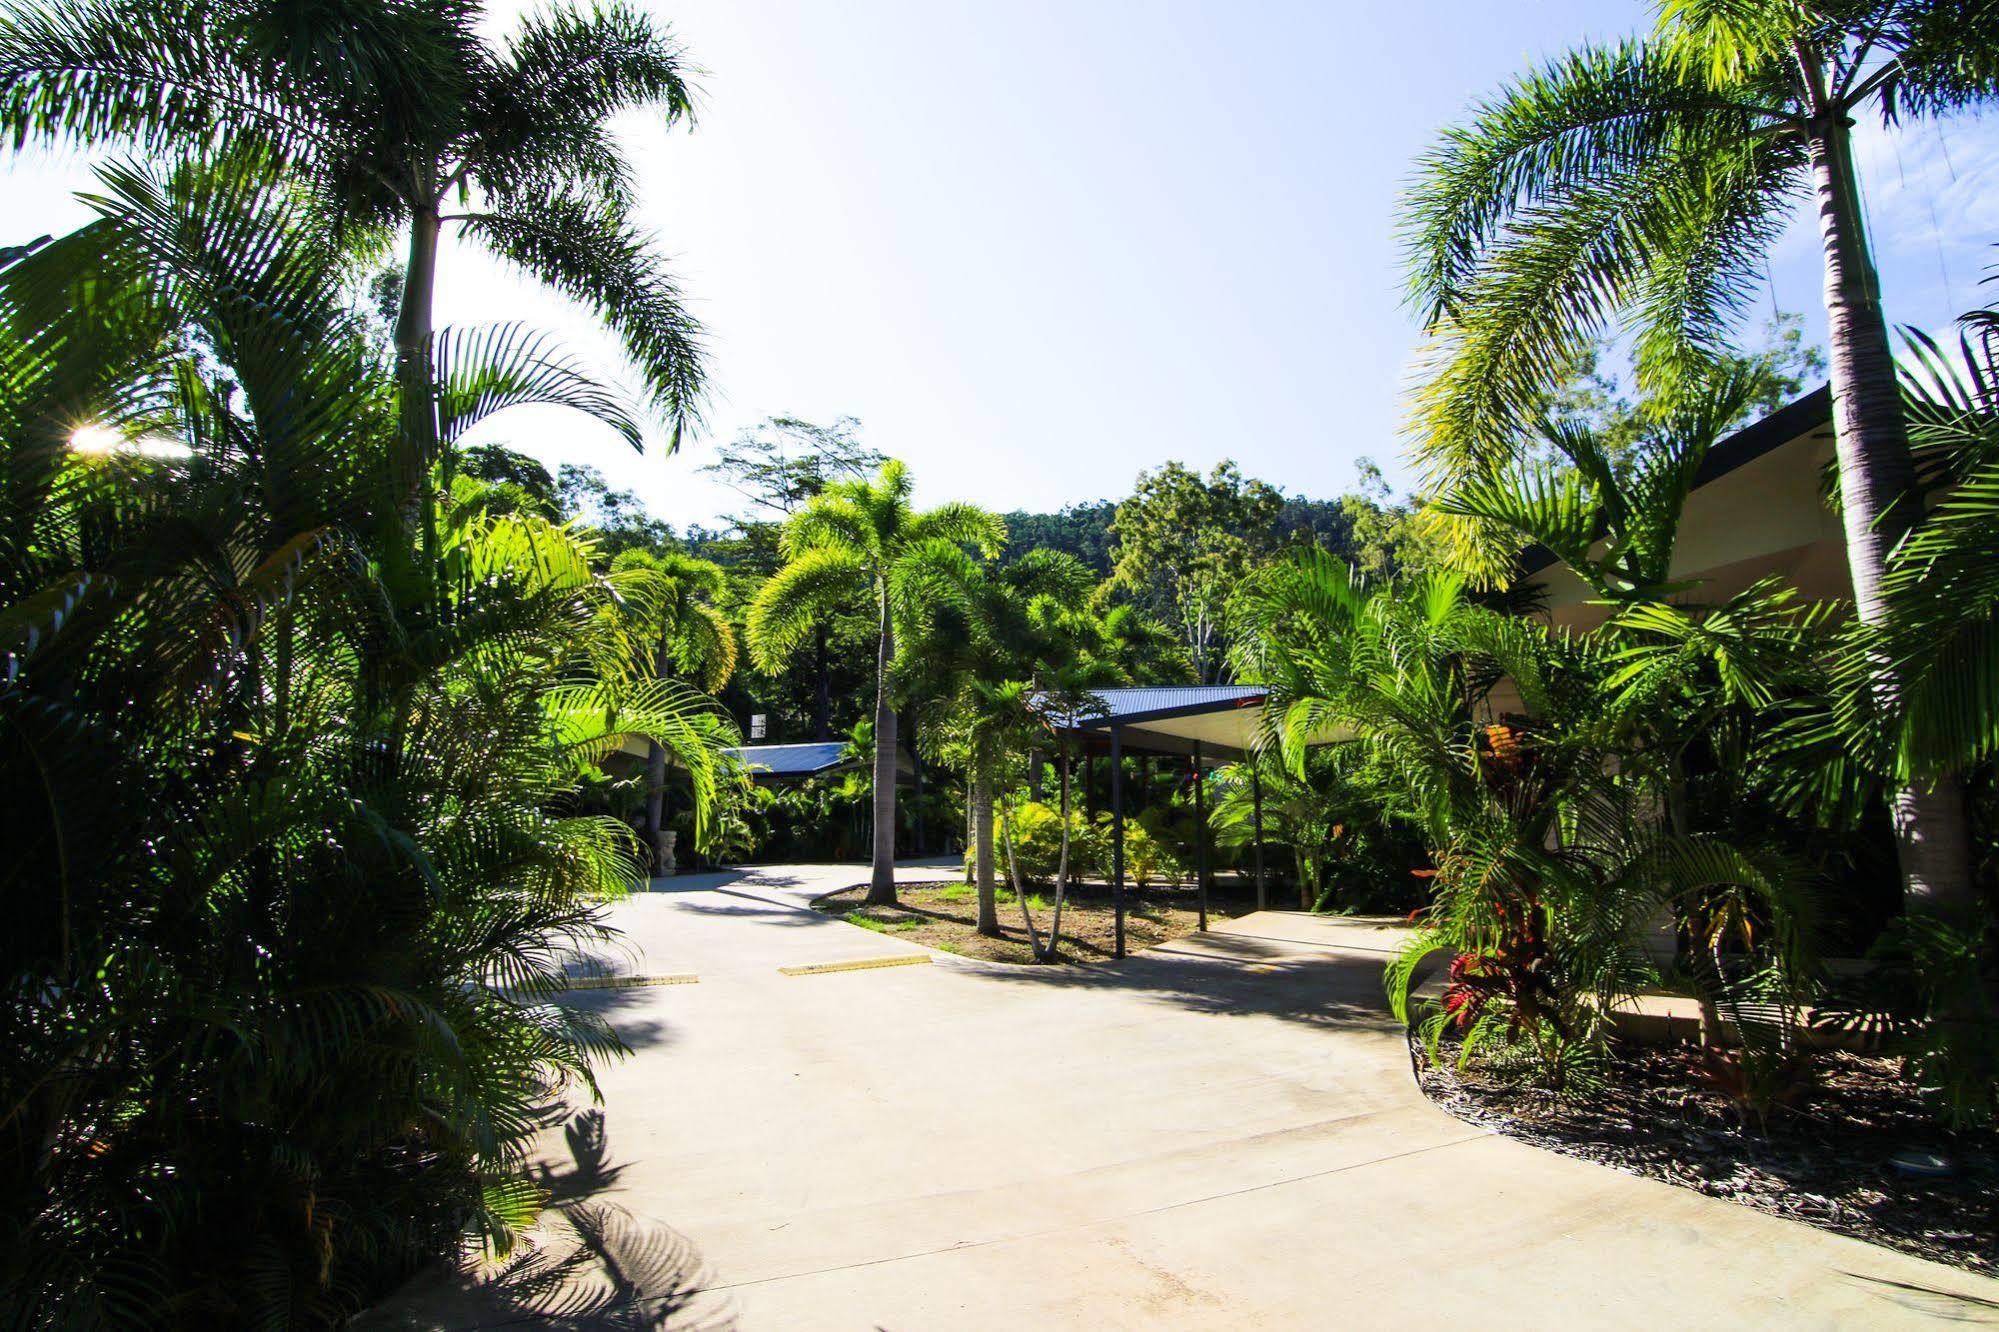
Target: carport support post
1117 832
1256 833
1200 837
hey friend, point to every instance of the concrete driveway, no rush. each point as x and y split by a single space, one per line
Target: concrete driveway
1222 1133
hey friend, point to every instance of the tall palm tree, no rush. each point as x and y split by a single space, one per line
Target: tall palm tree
864 542
998 651
668 599
396 113
1648 179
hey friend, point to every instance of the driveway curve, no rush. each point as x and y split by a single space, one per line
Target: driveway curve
1220 1133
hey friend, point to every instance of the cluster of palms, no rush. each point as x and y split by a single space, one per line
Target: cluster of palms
989 658
1708 763
301 718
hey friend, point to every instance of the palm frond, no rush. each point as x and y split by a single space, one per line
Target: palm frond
484 370
812 584
585 249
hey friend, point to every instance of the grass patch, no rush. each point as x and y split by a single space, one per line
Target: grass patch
867 922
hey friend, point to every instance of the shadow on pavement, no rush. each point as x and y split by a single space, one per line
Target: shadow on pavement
594 1265
1946 1305
614 1006
1228 974
757 908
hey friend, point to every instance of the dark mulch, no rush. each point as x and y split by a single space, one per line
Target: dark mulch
1824 1163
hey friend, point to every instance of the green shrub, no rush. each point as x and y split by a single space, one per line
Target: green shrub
1037 844
1148 859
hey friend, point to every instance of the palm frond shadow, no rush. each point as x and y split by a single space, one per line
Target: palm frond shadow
596 1265
1946 1305
775 913
638 1033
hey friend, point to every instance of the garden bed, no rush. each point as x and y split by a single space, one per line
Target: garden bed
1825 1163
944 915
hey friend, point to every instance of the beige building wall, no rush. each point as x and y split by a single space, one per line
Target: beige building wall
1767 516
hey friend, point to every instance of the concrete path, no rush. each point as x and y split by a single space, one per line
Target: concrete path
1222 1133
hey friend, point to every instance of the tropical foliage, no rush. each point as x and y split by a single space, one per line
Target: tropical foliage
331 722
299 854
863 542
1645 181
1641 183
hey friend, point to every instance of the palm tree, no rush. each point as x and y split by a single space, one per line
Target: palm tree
667 598
1137 645
1683 665
1942 579
1308 812
1000 652
274 797
396 113
863 541
1648 179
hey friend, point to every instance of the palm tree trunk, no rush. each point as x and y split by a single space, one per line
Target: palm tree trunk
414 326
971 831
917 844
982 851
822 702
662 662
1877 492
1013 877
881 882
1061 867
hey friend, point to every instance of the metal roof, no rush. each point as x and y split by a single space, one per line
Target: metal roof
791 760
1148 702
1218 720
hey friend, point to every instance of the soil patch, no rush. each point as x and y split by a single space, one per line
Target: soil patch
1825 1163
944 915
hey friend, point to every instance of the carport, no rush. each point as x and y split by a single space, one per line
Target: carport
1205 724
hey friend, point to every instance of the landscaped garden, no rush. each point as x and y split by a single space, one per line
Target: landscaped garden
329 723
945 916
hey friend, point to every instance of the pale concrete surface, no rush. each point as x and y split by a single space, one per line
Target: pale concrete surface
697 922
1222 1133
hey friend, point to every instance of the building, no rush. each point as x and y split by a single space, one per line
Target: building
1758 507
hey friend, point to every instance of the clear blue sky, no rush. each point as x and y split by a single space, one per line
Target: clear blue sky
1038 247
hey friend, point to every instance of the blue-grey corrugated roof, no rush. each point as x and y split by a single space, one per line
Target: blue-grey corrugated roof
791 760
1151 700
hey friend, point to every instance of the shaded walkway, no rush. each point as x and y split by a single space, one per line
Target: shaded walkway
1217 1134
